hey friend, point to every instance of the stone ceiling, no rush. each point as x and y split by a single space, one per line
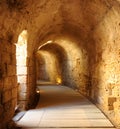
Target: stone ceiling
43 18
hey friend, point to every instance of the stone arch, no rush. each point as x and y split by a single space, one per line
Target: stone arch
53 54
74 63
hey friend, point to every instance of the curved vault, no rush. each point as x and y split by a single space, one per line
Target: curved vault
71 61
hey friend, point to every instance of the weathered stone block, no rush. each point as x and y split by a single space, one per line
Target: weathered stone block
9 113
14 59
14 103
109 103
14 92
4 48
30 78
9 48
111 100
8 106
6 58
1 110
11 70
1 46
1 85
110 108
30 62
7 83
116 104
7 95
31 70
14 81
0 57
27 61
13 49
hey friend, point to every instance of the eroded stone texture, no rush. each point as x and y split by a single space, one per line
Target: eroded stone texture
8 83
106 62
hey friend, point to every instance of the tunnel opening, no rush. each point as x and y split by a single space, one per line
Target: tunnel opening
54 62
48 71
91 66
71 61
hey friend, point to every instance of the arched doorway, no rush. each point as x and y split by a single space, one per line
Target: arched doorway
21 68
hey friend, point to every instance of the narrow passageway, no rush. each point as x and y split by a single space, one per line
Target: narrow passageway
73 43
63 107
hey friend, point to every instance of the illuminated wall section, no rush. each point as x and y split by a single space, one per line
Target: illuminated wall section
21 60
74 66
49 70
76 70
106 67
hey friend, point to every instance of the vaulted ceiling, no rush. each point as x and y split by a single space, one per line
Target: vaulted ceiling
51 18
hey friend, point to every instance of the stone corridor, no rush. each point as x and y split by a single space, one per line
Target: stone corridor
63 107
75 43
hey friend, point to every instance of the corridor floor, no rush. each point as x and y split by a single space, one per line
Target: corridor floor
62 107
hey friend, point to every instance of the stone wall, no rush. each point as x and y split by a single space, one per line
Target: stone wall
22 74
48 66
78 71
31 88
17 81
75 71
105 89
8 82
67 60
25 73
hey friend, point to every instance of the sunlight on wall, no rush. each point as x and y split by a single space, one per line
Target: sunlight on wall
48 42
50 66
73 60
75 53
77 62
21 49
21 61
21 53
